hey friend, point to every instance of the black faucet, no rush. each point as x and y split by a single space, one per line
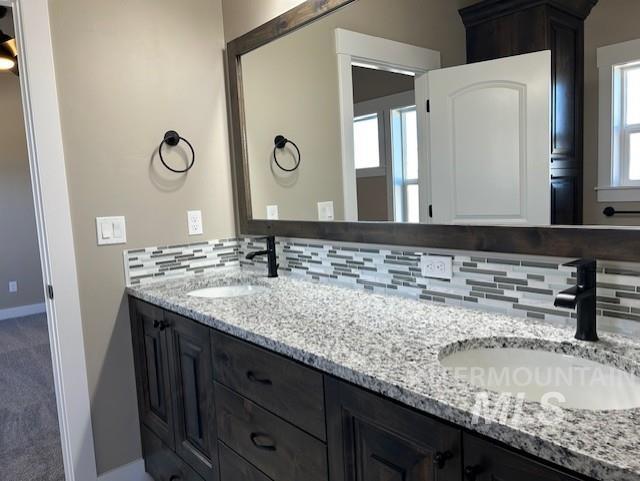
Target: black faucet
582 295
272 258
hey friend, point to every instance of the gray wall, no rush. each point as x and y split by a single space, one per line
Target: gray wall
128 71
19 255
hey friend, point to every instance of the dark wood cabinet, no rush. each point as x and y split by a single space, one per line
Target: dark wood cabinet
564 188
501 28
284 387
214 407
152 357
175 392
373 438
280 450
485 461
234 468
191 373
162 463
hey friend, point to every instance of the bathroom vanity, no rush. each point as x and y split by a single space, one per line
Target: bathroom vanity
310 381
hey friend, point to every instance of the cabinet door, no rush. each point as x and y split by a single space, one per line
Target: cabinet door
152 369
373 439
193 394
162 463
564 190
486 462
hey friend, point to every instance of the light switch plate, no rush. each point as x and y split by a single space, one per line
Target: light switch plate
13 287
325 211
194 219
272 212
437 267
111 230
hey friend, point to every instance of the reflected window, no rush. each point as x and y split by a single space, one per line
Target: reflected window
404 135
630 143
385 146
619 122
366 142
626 125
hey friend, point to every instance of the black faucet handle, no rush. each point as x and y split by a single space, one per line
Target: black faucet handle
583 264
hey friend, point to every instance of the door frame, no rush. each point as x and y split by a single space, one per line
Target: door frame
55 235
387 55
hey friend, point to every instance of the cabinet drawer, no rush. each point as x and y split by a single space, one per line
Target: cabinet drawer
284 387
162 463
280 450
234 468
491 462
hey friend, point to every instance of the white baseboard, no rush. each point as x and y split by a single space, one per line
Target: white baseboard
133 471
22 311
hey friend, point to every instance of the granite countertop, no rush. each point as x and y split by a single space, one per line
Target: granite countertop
392 345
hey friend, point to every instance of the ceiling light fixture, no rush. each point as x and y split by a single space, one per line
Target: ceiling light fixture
8 53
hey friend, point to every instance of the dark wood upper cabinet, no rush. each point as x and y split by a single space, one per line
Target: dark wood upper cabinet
501 28
195 423
152 357
373 438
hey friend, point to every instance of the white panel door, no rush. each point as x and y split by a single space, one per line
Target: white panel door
490 136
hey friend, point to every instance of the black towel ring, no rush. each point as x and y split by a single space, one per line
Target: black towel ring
172 138
280 143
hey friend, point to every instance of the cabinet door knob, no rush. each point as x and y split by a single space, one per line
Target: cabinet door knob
440 458
267 444
253 378
162 325
471 472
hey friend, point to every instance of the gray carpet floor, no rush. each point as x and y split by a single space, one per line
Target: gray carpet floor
29 435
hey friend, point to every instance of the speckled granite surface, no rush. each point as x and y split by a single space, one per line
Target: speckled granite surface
391 345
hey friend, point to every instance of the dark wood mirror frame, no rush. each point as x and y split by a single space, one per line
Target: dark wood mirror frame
605 243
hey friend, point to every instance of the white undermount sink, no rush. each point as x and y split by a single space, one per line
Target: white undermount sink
547 377
221 292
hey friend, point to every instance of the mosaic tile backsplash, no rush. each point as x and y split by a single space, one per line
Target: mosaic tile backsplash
518 285
151 264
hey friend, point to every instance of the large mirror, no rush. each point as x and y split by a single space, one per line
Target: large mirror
420 111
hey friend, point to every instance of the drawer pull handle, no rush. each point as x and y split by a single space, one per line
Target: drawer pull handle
471 472
253 378
270 444
440 459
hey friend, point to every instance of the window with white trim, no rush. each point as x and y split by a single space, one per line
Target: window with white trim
619 122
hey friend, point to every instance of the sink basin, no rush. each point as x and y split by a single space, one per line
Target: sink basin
546 377
222 292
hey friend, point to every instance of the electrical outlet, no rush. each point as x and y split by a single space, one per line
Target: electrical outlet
13 287
325 211
272 212
437 267
194 219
